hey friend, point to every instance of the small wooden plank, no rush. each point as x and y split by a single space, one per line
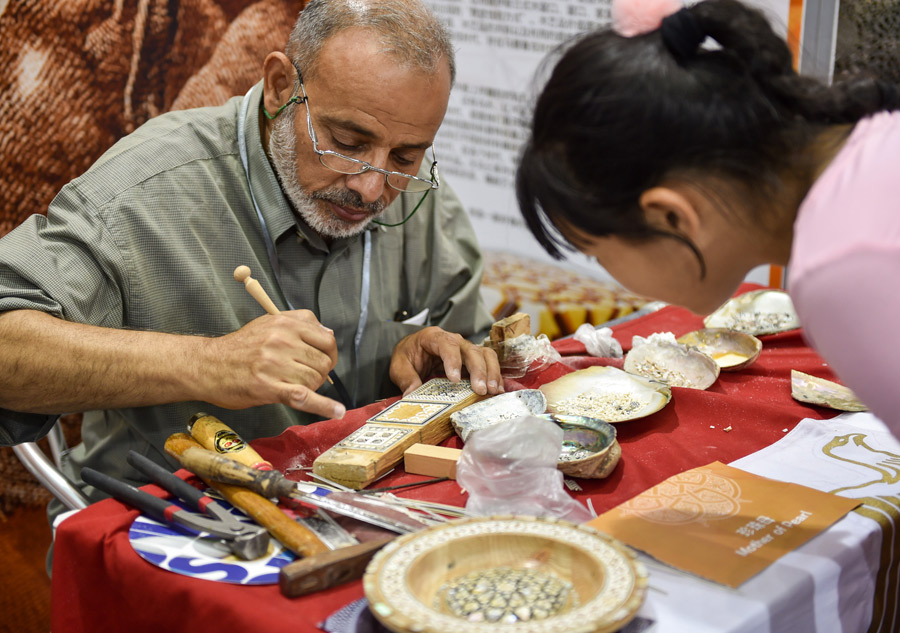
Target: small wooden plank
434 461
422 417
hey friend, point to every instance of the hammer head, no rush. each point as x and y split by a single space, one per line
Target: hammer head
250 544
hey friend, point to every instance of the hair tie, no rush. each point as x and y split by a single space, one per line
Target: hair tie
636 17
682 34
889 93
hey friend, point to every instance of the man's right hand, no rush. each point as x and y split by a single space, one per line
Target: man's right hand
281 357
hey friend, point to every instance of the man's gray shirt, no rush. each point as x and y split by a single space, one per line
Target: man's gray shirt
149 238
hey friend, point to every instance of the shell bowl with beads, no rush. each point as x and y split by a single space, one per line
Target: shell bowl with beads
521 574
730 349
605 393
660 357
757 312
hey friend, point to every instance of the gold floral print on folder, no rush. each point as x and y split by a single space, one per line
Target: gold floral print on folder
722 523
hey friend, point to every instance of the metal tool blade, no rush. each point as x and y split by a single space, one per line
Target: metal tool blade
358 507
328 530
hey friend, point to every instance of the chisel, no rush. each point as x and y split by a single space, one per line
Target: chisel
272 483
216 436
291 534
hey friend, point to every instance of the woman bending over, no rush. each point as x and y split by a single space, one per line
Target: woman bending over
682 152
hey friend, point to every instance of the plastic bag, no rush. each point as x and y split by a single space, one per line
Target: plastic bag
524 354
598 341
510 468
662 339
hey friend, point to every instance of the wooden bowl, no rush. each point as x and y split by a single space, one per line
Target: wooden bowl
551 576
730 349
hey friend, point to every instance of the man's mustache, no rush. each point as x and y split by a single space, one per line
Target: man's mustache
349 199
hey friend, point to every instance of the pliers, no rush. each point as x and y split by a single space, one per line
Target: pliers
245 540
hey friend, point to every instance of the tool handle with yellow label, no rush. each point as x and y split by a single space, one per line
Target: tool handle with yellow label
294 536
216 436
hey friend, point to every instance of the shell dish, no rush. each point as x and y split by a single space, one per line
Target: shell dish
825 393
506 406
589 448
756 312
605 393
509 573
730 349
675 365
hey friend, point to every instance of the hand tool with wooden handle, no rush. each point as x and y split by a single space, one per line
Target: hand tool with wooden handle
242 274
271 483
329 569
314 573
294 536
215 435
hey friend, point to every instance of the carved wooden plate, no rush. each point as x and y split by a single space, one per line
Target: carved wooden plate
518 574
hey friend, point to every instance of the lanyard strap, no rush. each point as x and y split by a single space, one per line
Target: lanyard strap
242 150
350 403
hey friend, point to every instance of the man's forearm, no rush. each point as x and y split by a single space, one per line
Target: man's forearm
48 365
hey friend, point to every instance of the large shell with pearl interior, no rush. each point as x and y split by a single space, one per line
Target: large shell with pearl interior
500 408
825 393
756 312
672 363
605 393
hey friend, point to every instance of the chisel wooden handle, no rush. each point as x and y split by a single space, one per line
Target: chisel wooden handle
327 570
294 536
215 435
242 274
268 483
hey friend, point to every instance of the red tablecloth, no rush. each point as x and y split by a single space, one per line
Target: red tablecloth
100 584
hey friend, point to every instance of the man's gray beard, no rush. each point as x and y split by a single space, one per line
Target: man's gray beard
283 150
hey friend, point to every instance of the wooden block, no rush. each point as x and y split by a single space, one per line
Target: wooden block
422 417
511 327
434 461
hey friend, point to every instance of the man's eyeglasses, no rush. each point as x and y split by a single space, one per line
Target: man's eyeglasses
404 183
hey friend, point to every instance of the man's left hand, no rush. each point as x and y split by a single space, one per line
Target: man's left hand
420 354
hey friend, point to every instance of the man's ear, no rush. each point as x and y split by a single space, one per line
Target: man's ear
278 81
669 210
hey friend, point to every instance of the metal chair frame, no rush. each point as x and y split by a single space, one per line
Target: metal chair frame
49 473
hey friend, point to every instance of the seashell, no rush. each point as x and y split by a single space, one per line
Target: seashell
825 393
605 393
589 448
732 350
756 312
673 364
500 408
